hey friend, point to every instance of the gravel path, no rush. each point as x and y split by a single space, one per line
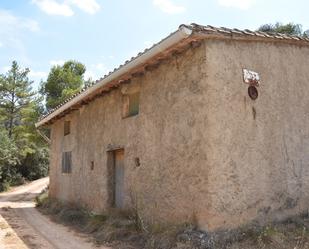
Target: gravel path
22 226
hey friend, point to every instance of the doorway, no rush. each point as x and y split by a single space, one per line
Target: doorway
119 174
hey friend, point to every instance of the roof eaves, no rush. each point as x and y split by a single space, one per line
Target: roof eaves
182 33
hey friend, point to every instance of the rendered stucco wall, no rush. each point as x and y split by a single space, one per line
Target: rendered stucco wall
259 168
168 135
203 154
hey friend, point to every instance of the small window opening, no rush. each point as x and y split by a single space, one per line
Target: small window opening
67 127
67 162
92 165
137 162
130 104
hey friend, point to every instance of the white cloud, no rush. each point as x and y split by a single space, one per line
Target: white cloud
37 74
31 25
56 62
240 4
64 7
52 7
12 23
89 6
1 44
5 69
169 7
96 71
32 73
89 74
13 29
101 67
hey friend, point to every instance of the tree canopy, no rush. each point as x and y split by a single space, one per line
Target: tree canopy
15 97
23 153
289 28
63 82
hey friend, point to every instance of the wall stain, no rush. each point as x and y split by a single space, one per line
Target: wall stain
254 112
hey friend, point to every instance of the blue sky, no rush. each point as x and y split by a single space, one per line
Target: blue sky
102 34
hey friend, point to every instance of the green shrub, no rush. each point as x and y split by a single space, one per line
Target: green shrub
42 199
16 168
35 165
8 161
4 186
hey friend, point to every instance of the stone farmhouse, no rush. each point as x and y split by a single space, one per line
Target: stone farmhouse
210 124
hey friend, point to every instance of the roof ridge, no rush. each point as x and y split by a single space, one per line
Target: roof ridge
267 34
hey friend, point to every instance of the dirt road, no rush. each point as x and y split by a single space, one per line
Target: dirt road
23 227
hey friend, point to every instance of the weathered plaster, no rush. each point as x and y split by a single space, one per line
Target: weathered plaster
207 151
259 168
168 135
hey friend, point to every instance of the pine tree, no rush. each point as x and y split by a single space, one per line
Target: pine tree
62 82
15 98
23 153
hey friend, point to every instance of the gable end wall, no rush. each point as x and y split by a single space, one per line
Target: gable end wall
259 169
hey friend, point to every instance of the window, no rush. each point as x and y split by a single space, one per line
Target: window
67 127
67 162
130 104
92 165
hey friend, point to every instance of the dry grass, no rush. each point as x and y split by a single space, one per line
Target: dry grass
292 233
127 230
